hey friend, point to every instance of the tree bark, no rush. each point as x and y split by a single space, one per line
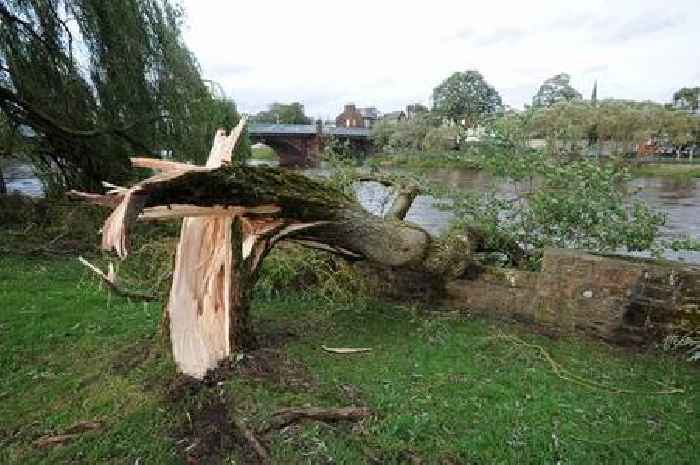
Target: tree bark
234 215
3 186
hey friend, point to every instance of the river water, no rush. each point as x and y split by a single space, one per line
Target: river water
19 177
680 201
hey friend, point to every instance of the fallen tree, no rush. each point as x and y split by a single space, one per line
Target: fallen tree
233 216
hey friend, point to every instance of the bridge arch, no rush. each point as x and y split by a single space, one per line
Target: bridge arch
302 144
292 152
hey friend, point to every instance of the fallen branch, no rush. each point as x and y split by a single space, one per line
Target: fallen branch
70 434
48 441
253 441
406 193
567 375
346 350
287 416
110 280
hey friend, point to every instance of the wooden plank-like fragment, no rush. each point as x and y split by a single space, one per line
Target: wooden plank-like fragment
162 165
200 297
346 350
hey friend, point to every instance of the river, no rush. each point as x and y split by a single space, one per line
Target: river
679 201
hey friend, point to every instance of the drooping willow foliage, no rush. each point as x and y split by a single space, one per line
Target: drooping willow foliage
84 84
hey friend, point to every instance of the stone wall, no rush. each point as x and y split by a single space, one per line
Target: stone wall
623 300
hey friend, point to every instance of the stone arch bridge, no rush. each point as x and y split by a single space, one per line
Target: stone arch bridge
301 144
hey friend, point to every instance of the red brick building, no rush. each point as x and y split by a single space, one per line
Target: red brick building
350 118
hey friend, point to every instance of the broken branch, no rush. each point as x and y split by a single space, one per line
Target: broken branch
287 416
110 280
253 441
346 350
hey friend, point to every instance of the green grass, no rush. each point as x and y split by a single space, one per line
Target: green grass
425 160
442 388
64 353
263 153
667 169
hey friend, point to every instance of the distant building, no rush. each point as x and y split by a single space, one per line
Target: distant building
350 118
370 116
394 116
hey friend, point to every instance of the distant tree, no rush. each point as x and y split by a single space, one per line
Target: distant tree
619 124
407 134
466 96
442 138
416 109
687 98
284 113
89 83
555 89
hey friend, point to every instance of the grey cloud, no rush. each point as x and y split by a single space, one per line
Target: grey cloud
643 25
596 69
521 93
488 39
229 69
618 29
499 36
463 34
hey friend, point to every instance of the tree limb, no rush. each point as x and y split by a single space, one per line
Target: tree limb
36 118
405 195
287 416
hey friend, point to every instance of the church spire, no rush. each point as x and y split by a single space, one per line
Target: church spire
594 94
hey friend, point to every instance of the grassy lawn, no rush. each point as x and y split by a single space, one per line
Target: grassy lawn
445 390
263 153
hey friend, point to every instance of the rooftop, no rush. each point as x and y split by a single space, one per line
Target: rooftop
261 129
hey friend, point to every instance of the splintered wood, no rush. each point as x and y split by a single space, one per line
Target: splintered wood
200 297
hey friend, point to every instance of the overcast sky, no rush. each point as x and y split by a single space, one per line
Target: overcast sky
391 53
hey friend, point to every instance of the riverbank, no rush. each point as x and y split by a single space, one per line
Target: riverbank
675 170
471 160
445 388
425 160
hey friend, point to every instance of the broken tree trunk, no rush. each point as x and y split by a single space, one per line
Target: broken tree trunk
233 215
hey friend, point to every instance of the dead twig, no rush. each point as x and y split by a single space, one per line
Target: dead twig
287 416
111 281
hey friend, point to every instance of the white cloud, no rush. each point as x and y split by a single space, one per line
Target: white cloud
390 53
